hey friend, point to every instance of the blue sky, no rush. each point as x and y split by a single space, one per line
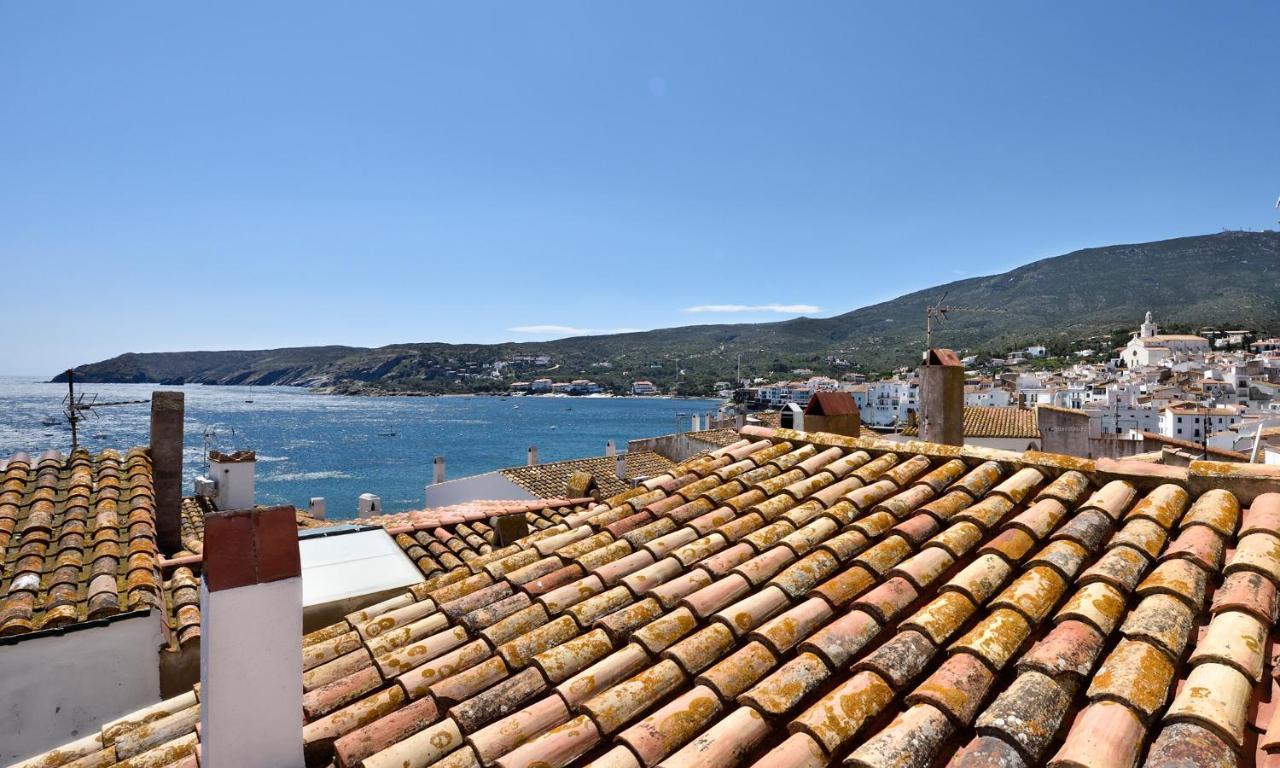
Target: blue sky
249 175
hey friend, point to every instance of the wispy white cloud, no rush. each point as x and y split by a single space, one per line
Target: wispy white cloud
782 309
567 330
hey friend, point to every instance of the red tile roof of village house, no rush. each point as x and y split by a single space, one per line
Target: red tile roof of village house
809 599
548 480
78 539
994 421
436 540
831 404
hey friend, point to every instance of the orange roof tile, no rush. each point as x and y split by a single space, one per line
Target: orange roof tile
78 539
802 600
550 479
994 421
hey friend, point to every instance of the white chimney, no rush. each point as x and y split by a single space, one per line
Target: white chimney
620 467
369 504
533 455
610 448
317 507
694 424
251 619
438 466
233 472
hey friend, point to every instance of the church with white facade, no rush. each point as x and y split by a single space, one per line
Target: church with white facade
1149 347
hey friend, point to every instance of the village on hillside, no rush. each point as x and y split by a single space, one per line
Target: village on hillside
1218 392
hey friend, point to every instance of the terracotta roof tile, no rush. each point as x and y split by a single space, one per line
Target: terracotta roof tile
549 480
78 539
994 421
1033 617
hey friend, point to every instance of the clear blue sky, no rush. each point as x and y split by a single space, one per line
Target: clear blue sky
249 175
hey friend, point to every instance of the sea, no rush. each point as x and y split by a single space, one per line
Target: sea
338 446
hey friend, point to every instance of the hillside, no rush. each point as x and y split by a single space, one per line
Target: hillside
1227 279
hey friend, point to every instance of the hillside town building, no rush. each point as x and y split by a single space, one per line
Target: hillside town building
1150 347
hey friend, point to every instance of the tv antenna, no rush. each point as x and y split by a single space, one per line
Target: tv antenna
211 436
937 313
79 407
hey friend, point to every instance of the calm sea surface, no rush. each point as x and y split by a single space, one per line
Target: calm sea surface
339 447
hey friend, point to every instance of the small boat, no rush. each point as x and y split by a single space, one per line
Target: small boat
49 421
248 401
386 434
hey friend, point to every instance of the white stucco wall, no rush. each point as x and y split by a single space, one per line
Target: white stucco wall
250 690
1002 443
58 688
1005 443
490 485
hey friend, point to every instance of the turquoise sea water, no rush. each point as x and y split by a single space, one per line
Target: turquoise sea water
339 447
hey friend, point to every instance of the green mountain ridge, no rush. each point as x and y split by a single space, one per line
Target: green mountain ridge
1220 280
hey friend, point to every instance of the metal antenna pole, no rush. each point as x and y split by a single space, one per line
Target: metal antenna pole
72 415
1204 435
78 406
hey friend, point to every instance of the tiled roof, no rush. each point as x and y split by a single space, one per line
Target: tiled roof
194 508
810 599
767 418
436 540
831 404
1164 337
78 539
720 437
549 480
771 419
994 421
1191 409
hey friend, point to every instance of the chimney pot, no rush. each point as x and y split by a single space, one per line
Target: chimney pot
438 465
509 528
610 448
317 507
620 467
533 455
369 504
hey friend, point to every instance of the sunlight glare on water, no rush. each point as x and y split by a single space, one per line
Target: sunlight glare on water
339 447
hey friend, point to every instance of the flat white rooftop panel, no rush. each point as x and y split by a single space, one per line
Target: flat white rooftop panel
348 564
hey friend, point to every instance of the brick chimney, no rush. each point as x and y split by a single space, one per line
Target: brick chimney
942 398
167 411
250 654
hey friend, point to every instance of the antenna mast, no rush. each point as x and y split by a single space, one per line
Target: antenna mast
80 407
938 312
73 415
